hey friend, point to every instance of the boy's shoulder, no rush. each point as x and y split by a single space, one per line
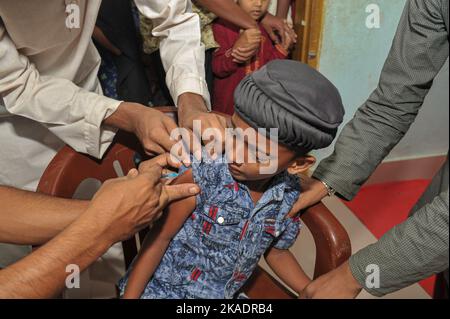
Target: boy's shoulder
291 191
291 183
208 172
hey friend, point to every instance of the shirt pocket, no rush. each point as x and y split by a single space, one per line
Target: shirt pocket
220 225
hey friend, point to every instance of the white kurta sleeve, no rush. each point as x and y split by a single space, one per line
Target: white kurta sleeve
182 53
73 114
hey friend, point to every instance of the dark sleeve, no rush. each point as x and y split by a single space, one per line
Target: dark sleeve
222 63
419 50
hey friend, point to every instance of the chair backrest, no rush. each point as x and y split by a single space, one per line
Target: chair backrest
69 169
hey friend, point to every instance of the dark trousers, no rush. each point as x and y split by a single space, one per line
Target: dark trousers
162 97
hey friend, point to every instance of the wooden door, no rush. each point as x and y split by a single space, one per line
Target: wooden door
308 23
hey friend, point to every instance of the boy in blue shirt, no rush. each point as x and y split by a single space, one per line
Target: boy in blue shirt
208 246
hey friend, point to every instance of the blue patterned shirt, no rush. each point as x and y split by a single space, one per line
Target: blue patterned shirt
221 243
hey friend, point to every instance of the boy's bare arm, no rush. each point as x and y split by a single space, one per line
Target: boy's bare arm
286 267
157 241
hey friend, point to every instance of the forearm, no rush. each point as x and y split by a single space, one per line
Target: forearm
230 11
409 252
125 116
283 8
286 267
42 274
28 218
189 103
181 50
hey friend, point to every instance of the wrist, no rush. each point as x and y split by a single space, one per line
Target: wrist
350 281
97 227
189 104
94 238
325 188
125 116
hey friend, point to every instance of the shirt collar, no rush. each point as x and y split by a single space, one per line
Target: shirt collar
275 191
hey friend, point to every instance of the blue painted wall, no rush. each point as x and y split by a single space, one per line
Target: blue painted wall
352 57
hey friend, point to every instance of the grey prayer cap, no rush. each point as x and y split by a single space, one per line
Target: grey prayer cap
295 98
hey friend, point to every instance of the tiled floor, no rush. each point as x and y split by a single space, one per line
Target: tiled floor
360 237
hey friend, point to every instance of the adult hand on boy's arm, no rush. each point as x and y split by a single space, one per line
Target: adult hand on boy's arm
191 107
151 126
313 191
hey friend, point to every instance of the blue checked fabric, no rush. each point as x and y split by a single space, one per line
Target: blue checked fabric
221 243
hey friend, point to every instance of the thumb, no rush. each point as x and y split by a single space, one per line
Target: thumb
273 36
176 192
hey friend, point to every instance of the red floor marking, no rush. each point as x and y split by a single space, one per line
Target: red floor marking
382 206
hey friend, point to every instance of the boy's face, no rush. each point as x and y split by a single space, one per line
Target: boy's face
251 168
255 8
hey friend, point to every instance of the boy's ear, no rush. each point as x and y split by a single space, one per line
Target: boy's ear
301 164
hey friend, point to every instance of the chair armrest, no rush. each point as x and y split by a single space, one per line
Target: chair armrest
262 285
331 239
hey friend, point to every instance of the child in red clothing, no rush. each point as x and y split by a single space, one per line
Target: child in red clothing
241 53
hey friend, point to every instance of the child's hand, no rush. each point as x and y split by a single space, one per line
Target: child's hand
242 55
249 37
247 45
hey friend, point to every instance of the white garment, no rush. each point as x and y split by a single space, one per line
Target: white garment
273 10
49 85
48 73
